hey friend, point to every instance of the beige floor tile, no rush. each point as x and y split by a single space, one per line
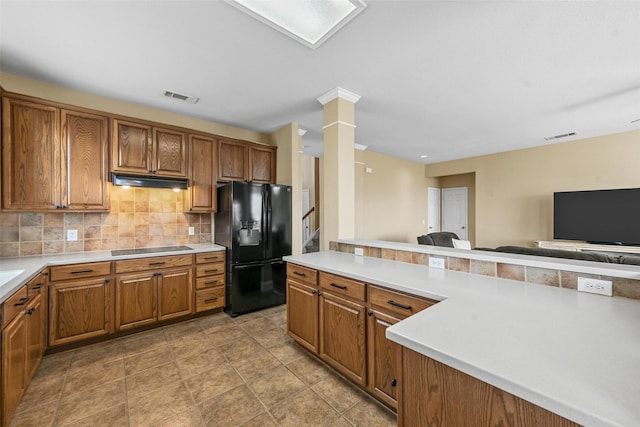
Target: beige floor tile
279 319
234 407
226 335
105 352
309 369
165 402
276 385
93 375
371 414
340 394
36 416
214 382
275 309
152 379
240 349
55 364
182 330
76 406
191 344
305 409
262 420
144 341
243 318
215 322
272 337
110 417
287 352
142 361
257 365
199 362
42 390
258 326
188 418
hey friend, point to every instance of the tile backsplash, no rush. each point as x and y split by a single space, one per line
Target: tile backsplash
139 218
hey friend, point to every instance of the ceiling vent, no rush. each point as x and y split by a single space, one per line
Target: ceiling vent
181 97
564 135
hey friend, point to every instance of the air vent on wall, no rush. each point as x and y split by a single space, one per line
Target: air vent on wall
564 135
181 97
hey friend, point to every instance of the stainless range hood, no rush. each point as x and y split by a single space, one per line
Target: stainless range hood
149 182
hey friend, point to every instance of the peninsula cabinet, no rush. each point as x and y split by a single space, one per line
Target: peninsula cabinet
202 195
142 149
80 302
262 164
53 158
302 306
161 288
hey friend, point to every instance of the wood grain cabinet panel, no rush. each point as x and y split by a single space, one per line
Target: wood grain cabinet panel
14 365
136 300
30 161
175 294
170 153
262 164
36 334
384 358
233 161
302 314
202 195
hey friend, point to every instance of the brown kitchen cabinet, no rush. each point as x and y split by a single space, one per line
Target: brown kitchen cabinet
302 306
158 288
210 280
262 164
141 149
14 363
53 158
202 195
80 302
233 160
342 321
37 322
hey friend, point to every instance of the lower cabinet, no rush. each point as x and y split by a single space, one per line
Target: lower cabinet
302 314
210 283
14 364
385 358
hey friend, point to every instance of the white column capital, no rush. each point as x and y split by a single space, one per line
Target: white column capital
338 92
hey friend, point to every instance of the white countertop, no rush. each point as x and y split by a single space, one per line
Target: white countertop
575 354
34 264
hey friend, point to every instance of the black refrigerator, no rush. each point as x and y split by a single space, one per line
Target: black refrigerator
253 221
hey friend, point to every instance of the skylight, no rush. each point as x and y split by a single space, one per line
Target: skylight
310 22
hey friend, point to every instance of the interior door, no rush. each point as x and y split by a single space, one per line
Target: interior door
433 210
454 211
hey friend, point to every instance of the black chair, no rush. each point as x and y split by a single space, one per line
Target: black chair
441 238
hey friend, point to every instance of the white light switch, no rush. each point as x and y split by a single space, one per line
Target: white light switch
72 235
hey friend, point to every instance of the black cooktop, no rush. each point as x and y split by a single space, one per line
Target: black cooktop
149 250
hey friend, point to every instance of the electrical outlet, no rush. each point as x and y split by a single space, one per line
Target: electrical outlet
359 251
192 231
595 286
436 262
72 235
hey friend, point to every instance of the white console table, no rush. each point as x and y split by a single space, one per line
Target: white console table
584 246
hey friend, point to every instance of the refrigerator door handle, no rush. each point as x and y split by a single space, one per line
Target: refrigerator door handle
266 207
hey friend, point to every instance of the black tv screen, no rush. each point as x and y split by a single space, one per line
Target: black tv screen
601 216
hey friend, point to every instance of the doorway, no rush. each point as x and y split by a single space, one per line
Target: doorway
455 211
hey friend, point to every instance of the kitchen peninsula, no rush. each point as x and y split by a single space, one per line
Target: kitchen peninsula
572 355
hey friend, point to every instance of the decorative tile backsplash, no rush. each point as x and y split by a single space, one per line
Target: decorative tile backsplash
627 288
139 218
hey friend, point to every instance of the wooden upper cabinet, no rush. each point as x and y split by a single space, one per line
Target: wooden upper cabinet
262 164
30 136
140 149
203 171
233 161
83 177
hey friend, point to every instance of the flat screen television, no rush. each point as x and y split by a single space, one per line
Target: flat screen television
599 216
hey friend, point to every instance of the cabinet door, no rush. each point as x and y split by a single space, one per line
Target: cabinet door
170 153
83 180
79 310
175 293
232 161
14 348
136 298
36 342
385 358
302 314
262 164
203 172
29 144
342 336
132 147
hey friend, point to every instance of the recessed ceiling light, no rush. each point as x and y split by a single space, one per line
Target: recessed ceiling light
424 156
310 22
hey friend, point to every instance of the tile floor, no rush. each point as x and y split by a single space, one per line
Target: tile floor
214 371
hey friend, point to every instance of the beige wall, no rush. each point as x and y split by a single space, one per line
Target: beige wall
514 190
61 94
391 201
465 180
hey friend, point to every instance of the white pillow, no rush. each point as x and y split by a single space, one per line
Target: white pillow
461 244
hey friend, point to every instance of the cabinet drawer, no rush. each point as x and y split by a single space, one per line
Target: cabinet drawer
342 286
209 269
80 271
396 302
207 299
208 282
153 263
302 274
15 304
208 257
37 285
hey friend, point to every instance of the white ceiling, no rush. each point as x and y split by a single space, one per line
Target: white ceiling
449 79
